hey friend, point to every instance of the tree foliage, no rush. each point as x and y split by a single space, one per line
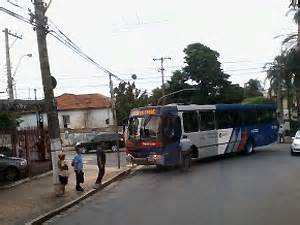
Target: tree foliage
9 121
258 100
253 88
127 98
203 73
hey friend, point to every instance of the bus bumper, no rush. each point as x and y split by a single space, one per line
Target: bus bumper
150 160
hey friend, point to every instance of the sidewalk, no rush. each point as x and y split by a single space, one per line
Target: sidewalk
29 200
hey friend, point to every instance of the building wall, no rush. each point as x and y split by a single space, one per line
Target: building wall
29 120
94 118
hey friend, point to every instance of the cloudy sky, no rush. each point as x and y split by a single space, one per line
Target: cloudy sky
124 37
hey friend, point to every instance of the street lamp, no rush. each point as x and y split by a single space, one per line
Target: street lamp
175 92
29 55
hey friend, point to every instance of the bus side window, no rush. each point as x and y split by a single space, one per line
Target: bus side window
261 116
190 121
224 120
236 118
250 117
207 121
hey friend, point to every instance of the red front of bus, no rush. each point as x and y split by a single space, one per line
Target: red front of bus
152 138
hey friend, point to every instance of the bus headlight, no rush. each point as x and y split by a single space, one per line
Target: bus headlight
158 159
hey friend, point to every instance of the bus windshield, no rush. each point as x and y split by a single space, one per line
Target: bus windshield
144 127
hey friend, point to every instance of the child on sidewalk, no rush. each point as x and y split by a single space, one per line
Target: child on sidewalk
77 163
63 172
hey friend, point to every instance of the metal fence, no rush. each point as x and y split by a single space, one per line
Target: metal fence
33 144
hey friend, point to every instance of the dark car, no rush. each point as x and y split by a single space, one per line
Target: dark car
5 151
107 139
12 168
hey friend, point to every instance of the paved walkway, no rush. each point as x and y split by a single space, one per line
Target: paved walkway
29 200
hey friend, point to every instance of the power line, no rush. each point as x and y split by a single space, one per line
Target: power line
64 39
17 5
16 15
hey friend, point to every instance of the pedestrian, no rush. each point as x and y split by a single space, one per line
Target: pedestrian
63 173
77 164
280 134
101 160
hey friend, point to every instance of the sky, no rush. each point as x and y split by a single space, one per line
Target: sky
125 36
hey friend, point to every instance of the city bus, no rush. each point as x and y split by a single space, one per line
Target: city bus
163 135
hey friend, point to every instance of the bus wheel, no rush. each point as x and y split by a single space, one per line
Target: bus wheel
249 148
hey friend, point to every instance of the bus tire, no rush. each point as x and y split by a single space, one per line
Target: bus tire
249 149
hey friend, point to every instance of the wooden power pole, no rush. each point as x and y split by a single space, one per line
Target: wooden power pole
50 103
115 122
162 70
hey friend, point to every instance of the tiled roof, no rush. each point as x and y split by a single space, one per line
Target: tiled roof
86 101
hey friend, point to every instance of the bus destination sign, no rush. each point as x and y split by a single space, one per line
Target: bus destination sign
145 112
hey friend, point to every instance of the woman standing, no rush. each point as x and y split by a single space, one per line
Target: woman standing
63 173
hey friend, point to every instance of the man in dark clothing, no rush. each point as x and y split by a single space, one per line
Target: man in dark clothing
101 160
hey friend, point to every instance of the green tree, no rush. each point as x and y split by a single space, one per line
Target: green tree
257 100
204 68
127 98
8 121
231 93
253 88
155 96
203 73
292 44
281 74
178 82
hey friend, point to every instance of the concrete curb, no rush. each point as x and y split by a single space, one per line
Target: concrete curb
17 183
43 218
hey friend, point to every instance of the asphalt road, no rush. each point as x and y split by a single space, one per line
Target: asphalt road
261 189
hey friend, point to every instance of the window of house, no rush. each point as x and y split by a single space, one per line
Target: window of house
190 122
207 121
66 121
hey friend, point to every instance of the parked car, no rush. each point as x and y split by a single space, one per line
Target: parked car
12 168
108 139
295 146
5 151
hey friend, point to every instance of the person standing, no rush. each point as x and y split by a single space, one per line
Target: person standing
280 134
101 160
63 174
77 163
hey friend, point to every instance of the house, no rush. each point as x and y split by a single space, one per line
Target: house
77 112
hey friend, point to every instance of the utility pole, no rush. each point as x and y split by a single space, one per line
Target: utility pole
8 65
115 122
50 103
162 70
7 33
